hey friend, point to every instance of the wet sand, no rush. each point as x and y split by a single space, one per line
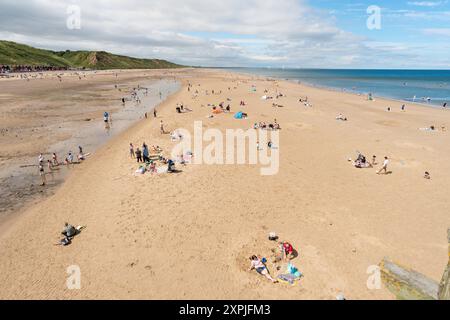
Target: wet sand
46 115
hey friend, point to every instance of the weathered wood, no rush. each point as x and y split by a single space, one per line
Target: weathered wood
444 287
407 284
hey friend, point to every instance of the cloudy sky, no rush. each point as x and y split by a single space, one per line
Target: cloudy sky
259 33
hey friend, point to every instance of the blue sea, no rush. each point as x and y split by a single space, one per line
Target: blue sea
422 86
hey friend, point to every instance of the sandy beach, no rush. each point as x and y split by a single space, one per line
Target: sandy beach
59 111
189 235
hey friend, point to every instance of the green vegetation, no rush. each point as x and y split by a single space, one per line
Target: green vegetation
12 53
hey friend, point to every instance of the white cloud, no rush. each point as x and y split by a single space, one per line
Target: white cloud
438 31
427 3
194 32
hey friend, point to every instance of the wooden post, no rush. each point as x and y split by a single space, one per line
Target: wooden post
407 284
444 287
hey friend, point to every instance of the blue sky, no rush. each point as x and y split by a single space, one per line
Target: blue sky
269 33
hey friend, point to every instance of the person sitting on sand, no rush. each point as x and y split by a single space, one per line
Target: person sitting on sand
152 168
170 166
427 175
361 162
287 250
69 231
384 167
261 268
156 149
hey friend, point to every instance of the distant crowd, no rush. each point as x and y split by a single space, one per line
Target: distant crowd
24 68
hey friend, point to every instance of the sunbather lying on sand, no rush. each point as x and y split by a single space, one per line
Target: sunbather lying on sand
261 268
69 232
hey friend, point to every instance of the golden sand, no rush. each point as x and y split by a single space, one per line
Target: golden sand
189 235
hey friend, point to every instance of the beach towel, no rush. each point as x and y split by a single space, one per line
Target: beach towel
160 170
289 278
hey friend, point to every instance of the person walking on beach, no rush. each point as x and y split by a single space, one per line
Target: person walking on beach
145 153
155 115
132 154
384 167
55 159
162 127
42 174
139 155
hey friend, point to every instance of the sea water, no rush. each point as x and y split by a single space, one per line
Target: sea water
421 86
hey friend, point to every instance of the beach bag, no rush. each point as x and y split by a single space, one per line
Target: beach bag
291 269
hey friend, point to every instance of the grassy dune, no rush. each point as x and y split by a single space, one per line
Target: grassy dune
12 53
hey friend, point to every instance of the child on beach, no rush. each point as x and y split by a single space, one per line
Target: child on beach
49 165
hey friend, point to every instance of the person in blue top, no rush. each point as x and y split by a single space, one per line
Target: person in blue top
145 153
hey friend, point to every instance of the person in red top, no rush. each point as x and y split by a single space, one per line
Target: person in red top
287 250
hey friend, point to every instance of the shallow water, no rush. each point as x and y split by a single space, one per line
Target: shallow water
20 183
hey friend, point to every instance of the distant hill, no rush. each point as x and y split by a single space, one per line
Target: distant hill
12 53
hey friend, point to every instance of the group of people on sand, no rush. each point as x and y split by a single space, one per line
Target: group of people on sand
434 128
361 162
283 253
264 126
54 163
149 160
143 156
26 68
